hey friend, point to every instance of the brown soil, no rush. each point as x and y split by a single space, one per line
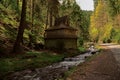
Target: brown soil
101 67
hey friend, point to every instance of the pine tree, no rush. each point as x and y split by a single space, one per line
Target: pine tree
19 39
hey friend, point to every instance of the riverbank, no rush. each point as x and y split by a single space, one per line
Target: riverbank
102 67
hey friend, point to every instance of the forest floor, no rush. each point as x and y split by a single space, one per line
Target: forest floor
104 66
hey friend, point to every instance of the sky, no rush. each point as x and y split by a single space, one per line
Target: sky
86 4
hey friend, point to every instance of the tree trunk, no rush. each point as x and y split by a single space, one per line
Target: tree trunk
51 18
17 45
47 18
33 6
32 21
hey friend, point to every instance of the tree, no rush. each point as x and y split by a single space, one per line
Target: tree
100 22
114 15
114 7
37 20
95 3
53 6
19 39
66 7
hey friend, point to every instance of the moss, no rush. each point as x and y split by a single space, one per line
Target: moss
81 49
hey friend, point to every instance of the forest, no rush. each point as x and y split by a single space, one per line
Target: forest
31 19
23 24
104 21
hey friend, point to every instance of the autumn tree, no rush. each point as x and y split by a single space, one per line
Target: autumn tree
100 27
93 30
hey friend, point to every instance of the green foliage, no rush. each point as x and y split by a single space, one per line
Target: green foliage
80 41
81 49
84 25
29 60
15 5
8 22
95 3
37 14
66 7
115 35
78 19
114 7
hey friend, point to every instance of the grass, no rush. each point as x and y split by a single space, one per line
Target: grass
29 60
81 49
32 60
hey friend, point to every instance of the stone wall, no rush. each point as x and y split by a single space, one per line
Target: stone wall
61 33
61 43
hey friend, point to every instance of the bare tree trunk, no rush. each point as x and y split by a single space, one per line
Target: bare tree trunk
33 5
17 45
32 21
51 18
47 17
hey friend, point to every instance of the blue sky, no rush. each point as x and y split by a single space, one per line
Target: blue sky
86 4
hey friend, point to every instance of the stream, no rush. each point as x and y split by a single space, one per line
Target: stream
52 72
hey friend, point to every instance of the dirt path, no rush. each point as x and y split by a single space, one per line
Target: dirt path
102 67
116 52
